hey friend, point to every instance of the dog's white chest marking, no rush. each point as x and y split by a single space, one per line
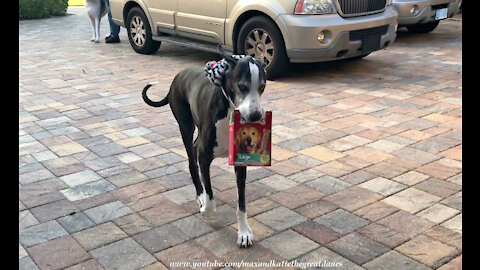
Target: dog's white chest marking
221 150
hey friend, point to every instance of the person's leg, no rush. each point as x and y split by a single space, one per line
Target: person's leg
114 29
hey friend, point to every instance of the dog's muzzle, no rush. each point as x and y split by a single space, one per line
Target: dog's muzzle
248 145
255 116
252 112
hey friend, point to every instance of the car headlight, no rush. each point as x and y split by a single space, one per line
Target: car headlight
389 2
315 7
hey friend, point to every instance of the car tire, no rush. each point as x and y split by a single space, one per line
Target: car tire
423 28
139 32
261 39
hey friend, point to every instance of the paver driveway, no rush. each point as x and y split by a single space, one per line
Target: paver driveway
367 169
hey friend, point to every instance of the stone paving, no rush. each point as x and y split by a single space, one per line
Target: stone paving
366 171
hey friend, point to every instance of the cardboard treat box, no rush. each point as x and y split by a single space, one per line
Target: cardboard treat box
250 143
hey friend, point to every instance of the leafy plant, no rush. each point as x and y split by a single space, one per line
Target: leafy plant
37 9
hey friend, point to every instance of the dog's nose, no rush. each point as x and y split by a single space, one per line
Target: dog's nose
254 116
249 140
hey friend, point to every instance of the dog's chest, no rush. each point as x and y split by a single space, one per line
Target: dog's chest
221 150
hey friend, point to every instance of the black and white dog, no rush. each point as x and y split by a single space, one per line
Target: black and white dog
197 102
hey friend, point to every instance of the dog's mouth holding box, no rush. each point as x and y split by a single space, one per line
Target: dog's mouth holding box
250 142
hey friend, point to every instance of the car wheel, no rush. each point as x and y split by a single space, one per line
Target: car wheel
423 28
139 32
261 39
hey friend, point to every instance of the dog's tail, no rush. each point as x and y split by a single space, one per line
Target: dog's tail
150 102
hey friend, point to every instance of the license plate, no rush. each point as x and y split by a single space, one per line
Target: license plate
370 44
441 14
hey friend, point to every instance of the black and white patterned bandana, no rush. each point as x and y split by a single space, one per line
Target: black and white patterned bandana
216 70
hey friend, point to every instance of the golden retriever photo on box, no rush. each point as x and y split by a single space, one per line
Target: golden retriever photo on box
247 140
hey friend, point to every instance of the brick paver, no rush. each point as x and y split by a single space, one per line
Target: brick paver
366 171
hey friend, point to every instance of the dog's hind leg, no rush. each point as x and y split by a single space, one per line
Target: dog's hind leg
245 233
187 129
182 113
205 158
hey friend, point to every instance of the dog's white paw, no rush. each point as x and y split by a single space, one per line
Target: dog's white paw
207 206
97 40
245 238
92 39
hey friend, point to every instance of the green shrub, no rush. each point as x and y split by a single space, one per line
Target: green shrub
37 9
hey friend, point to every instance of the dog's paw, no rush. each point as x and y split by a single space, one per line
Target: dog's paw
207 207
92 39
97 40
245 238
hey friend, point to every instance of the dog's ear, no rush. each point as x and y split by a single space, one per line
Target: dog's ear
230 60
237 141
259 144
264 66
237 138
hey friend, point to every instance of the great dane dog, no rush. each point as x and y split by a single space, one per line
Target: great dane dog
197 102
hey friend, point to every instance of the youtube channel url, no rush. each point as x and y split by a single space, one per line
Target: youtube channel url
246 264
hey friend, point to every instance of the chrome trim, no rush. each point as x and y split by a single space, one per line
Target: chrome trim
340 11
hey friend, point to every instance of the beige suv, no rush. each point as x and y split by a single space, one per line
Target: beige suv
423 16
274 31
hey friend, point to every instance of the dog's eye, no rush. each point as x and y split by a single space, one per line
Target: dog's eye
253 133
242 87
244 133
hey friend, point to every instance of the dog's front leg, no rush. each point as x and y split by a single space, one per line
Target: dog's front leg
97 30
92 20
245 234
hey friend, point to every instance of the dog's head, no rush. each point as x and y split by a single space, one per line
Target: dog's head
248 139
246 78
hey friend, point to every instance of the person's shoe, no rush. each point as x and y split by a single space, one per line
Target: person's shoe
111 39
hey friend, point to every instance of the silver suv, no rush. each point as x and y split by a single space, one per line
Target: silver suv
423 16
274 31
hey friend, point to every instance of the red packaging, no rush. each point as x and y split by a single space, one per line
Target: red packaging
250 144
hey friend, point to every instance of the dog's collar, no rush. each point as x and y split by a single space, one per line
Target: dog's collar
232 105
216 70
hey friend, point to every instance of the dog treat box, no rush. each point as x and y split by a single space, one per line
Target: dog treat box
250 143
